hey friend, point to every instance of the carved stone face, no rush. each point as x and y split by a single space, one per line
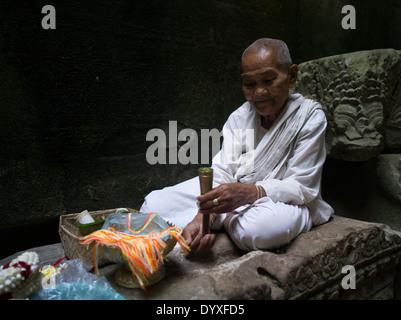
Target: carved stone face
357 129
345 118
360 93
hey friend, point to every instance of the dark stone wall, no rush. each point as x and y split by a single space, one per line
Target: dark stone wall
76 102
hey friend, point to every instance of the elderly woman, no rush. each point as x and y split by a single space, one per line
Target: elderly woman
266 202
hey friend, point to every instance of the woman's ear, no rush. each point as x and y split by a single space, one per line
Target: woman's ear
293 74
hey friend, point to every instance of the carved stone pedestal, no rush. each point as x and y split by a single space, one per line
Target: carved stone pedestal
372 250
316 265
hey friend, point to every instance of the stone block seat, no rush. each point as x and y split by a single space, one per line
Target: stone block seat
310 267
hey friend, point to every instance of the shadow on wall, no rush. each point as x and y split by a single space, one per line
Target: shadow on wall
368 191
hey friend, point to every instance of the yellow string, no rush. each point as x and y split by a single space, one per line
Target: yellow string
149 218
143 253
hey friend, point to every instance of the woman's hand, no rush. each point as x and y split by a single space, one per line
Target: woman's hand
229 197
199 244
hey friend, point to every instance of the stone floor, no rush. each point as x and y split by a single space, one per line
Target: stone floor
316 265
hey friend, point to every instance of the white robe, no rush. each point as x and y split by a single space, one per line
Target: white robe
286 160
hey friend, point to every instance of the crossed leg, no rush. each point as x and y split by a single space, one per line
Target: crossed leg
267 225
262 225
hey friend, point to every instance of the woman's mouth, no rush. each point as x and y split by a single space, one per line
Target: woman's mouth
261 100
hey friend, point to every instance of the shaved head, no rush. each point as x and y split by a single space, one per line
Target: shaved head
278 46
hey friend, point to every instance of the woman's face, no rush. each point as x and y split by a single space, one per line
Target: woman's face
264 83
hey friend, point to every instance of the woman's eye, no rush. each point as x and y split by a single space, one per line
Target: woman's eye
249 84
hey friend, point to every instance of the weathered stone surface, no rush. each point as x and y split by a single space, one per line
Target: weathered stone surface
308 268
311 267
361 95
389 174
373 249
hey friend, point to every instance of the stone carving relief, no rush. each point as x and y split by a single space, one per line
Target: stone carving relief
371 251
361 95
310 267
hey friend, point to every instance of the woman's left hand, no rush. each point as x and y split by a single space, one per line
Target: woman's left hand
229 197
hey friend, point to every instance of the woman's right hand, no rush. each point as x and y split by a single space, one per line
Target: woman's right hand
199 244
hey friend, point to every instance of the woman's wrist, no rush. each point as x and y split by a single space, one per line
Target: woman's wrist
252 194
260 192
212 218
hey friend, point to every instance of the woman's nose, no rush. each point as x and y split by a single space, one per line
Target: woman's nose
260 91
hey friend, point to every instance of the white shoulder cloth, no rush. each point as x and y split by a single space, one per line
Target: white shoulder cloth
272 151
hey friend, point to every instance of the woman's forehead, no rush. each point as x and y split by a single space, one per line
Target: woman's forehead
262 62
